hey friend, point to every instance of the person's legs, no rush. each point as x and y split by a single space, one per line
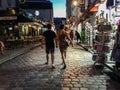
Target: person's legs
77 39
63 55
52 58
2 50
47 55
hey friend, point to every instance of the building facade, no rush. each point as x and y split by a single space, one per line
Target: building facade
68 8
40 9
5 4
16 23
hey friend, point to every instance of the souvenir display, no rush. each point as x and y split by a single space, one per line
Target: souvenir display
104 28
100 36
101 46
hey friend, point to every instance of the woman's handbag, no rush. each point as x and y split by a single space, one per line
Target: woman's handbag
64 43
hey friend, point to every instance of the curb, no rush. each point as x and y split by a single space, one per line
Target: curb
12 56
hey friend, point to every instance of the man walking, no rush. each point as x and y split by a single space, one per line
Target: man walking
49 38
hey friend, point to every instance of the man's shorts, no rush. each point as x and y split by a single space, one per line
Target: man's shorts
50 50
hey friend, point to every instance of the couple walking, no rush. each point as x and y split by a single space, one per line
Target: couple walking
50 39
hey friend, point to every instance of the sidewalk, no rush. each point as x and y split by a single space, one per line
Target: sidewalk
12 53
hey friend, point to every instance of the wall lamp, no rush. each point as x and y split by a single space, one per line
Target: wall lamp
75 2
80 4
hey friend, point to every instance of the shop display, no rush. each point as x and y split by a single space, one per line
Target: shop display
101 44
106 37
104 28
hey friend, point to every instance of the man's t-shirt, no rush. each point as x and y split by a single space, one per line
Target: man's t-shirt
49 38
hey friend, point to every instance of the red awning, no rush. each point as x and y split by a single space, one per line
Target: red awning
94 9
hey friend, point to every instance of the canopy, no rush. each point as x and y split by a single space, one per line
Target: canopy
94 9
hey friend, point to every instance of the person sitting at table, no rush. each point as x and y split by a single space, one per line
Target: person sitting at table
2 47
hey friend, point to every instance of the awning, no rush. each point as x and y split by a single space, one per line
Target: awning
94 9
9 14
8 17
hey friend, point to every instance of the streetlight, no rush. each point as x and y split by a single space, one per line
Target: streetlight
80 4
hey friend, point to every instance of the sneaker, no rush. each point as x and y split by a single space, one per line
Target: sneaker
64 67
53 67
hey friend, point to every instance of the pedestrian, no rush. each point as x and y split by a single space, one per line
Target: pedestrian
49 38
115 55
77 36
53 26
83 35
62 35
2 47
71 35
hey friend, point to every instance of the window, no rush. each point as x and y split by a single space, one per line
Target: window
8 2
22 1
0 3
109 3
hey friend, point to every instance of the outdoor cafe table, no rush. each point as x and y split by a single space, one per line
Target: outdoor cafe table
13 43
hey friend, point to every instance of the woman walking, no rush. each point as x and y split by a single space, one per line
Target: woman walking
61 37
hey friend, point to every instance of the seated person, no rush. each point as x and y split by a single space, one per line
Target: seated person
2 47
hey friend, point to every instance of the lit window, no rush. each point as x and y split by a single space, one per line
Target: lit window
0 3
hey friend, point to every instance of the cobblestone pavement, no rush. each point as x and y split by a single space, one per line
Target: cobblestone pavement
28 72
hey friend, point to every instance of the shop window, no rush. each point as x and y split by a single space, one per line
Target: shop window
109 3
117 2
9 3
83 1
0 3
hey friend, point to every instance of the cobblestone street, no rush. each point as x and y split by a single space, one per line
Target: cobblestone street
28 72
